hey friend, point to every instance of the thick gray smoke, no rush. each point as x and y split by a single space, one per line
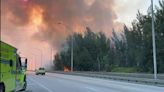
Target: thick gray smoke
61 16
41 24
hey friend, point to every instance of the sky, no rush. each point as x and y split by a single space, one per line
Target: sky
126 9
39 27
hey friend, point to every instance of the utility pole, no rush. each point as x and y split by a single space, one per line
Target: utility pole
51 56
72 53
153 42
71 45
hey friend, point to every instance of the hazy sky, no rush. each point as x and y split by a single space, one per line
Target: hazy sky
33 27
126 9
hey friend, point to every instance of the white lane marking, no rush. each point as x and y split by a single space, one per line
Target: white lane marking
41 85
91 88
30 84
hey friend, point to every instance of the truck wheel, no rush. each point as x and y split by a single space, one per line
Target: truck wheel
2 88
24 86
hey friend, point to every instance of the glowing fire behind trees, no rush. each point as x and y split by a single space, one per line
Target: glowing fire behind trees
34 23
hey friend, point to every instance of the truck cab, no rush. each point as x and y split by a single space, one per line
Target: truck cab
12 73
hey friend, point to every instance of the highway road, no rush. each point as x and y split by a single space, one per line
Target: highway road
52 82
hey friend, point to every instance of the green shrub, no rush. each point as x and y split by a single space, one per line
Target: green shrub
124 69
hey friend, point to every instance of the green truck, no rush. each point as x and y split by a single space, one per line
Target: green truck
12 71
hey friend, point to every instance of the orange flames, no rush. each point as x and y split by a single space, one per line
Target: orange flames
36 15
66 69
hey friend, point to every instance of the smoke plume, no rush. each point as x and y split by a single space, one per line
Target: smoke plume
46 23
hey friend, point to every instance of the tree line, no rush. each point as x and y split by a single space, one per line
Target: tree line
130 51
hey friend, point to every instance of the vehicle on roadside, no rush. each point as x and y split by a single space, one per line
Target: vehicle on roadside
12 71
40 71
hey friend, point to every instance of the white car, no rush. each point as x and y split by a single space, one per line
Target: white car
41 71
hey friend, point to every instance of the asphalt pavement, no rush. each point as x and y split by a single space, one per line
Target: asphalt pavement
53 82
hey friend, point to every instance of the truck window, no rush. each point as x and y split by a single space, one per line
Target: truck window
18 63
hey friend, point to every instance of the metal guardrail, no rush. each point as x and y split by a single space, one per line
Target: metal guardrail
136 75
130 77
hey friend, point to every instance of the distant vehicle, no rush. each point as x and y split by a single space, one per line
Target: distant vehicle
12 71
41 71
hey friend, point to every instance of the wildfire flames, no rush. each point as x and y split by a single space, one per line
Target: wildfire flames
36 15
36 18
42 16
66 69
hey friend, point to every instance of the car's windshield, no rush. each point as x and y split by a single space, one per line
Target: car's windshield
41 68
